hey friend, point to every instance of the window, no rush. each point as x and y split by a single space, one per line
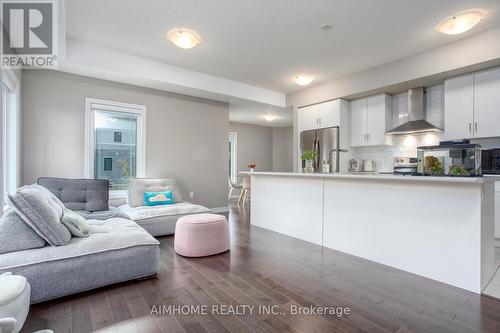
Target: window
115 140
108 164
233 161
117 137
10 132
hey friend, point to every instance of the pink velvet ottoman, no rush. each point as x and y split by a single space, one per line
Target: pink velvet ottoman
201 235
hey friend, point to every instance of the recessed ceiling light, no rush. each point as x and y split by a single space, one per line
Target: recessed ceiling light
326 26
303 79
184 38
460 22
269 117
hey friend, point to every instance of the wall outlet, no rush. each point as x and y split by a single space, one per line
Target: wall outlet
191 195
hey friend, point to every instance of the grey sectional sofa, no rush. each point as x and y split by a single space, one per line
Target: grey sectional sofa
117 249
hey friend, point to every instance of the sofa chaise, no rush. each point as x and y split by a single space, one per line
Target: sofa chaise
116 250
157 220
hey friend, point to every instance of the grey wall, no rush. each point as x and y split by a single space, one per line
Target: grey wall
270 148
283 149
186 137
255 144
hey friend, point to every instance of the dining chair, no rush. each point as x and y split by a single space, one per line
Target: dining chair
232 187
245 192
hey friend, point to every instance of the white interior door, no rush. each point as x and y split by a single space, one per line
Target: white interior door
458 108
487 104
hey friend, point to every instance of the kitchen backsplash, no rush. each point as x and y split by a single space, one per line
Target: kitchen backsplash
406 145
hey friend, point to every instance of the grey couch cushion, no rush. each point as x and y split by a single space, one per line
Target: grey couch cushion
79 194
16 235
137 187
116 250
103 215
42 211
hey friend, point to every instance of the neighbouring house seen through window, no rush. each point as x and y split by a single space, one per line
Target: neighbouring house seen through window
108 164
107 149
118 137
115 141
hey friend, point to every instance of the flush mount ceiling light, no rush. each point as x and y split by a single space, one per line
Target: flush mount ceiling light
303 79
184 38
460 22
326 26
269 117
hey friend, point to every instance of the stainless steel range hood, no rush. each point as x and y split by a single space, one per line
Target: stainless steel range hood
416 116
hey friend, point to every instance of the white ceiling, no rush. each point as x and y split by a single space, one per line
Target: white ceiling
265 42
254 113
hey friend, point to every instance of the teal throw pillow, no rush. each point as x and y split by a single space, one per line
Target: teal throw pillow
158 198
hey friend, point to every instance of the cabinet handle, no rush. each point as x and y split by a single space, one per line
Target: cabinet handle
368 136
470 127
475 126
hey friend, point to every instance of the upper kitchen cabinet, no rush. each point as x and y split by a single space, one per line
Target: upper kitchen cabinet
308 118
487 104
459 108
323 115
358 122
471 106
370 118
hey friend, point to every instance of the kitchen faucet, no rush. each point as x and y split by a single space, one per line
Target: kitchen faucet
337 160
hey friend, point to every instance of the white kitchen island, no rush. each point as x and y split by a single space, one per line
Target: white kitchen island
438 227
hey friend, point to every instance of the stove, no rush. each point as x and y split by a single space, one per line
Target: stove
405 166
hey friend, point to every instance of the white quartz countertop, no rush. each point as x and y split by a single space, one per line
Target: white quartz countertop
368 177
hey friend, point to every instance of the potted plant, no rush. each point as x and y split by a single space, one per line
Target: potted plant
309 156
252 166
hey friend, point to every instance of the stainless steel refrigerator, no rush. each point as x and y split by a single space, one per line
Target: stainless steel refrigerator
325 142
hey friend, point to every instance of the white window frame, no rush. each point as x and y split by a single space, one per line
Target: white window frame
233 139
11 155
92 104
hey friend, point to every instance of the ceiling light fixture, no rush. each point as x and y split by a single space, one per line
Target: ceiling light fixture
326 26
269 117
184 38
303 79
460 22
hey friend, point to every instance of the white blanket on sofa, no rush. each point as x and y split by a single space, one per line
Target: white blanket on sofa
145 212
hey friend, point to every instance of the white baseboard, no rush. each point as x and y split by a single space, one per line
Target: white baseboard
218 210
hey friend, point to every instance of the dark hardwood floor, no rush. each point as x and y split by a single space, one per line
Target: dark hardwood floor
266 268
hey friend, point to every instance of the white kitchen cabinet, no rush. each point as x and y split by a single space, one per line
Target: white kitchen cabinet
487 104
471 106
320 115
308 118
323 115
329 113
459 108
370 118
358 122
